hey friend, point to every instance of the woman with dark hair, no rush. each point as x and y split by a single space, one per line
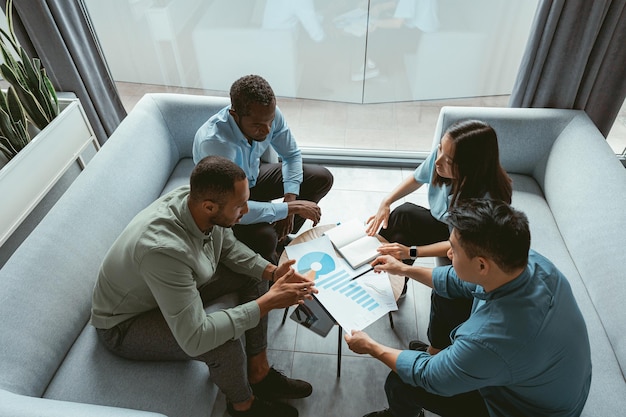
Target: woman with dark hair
465 164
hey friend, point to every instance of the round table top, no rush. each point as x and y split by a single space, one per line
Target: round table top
397 281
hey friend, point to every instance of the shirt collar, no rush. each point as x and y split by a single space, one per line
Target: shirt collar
237 133
506 289
189 223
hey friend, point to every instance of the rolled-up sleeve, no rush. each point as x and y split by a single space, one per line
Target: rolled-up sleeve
465 366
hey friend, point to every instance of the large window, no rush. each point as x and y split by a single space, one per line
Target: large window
369 60
355 51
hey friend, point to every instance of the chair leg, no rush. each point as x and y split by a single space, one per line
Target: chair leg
285 315
339 334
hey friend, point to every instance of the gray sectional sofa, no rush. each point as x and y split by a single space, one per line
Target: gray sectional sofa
51 364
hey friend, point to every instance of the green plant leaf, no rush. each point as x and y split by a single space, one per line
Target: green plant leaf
14 107
28 78
14 133
7 149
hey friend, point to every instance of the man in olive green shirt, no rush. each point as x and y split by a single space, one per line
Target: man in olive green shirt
171 261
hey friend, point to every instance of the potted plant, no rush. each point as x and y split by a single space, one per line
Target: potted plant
30 98
41 135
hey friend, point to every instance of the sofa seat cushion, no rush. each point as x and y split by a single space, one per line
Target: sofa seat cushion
180 175
546 238
91 374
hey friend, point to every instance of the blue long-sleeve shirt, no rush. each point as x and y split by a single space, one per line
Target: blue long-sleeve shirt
525 346
221 136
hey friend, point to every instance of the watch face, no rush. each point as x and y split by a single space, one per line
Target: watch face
413 252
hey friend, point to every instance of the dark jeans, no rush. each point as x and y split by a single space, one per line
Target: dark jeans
262 237
407 401
148 337
410 224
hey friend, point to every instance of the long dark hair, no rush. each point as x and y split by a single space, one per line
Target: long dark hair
475 163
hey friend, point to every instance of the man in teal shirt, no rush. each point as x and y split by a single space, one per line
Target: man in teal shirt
524 351
157 284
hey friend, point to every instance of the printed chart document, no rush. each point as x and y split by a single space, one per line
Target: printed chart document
353 303
353 243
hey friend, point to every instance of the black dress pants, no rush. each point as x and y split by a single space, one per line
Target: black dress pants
262 237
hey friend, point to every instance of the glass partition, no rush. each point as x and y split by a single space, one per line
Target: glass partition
356 51
384 67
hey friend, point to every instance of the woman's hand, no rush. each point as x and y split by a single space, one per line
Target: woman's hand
381 218
396 250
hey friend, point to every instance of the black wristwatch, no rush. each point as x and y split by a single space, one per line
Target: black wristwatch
413 252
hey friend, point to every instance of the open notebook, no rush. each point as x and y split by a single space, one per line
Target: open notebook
353 243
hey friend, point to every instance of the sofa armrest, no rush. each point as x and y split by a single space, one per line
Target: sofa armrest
15 405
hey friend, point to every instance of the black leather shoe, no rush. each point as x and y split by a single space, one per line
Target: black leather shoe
264 408
418 345
276 385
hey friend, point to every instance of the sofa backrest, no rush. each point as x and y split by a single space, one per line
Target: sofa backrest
182 115
525 136
45 287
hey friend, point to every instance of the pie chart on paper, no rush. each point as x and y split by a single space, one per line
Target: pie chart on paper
319 262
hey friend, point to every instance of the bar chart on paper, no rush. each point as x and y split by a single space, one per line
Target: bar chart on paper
353 303
340 282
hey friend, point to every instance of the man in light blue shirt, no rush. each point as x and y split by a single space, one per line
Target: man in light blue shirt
524 351
243 132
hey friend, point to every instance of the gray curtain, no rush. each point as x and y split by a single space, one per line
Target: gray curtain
576 59
60 33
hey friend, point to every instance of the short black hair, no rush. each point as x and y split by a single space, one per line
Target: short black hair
492 229
214 178
250 89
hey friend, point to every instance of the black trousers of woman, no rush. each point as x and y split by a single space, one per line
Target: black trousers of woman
410 224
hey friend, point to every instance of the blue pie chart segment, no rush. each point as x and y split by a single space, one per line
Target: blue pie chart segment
320 262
